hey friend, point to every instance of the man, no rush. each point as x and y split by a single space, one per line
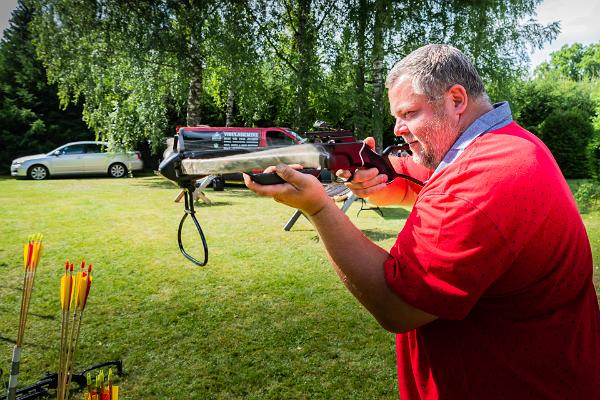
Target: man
489 284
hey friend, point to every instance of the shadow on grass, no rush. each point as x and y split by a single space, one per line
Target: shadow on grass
27 343
40 316
8 340
378 234
155 182
395 213
199 204
235 189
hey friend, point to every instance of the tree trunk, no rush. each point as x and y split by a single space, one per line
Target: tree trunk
305 47
194 106
381 10
360 106
229 107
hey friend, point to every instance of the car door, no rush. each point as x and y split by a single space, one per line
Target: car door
69 160
96 161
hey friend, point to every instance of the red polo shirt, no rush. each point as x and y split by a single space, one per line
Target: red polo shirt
495 247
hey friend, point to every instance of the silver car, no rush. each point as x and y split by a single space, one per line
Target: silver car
77 158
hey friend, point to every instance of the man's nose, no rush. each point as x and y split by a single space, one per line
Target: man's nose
400 128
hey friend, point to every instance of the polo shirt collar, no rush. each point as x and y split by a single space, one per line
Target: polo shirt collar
498 117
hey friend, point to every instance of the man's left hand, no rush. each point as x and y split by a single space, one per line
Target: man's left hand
301 191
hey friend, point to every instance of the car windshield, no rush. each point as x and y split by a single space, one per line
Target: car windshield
54 151
299 138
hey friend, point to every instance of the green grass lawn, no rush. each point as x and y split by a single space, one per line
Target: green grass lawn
266 319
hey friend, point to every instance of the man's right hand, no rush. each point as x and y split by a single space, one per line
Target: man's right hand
365 182
369 183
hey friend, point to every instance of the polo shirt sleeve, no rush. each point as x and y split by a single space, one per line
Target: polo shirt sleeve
448 253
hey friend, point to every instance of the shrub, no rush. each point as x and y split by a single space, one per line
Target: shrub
593 157
567 134
587 196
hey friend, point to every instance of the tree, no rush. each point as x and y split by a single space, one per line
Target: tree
130 60
235 78
560 108
261 61
383 32
574 72
292 30
31 120
574 62
567 134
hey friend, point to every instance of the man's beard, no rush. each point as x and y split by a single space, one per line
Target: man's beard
439 135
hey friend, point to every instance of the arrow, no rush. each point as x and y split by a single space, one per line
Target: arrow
82 284
32 251
66 292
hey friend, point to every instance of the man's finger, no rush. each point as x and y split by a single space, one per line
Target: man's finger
367 192
343 173
262 190
362 175
370 141
287 173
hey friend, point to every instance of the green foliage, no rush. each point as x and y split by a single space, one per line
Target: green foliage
140 67
575 62
588 196
593 156
31 120
567 134
561 113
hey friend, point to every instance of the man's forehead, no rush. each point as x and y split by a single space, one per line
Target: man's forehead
402 94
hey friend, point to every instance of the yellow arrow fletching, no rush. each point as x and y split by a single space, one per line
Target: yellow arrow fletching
25 253
34 254
82 290
75 295
63 289
66 286
39 253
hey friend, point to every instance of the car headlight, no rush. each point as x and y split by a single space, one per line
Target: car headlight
16 164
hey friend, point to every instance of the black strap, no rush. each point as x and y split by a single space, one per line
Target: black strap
189 210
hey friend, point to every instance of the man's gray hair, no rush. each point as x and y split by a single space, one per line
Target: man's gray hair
434 69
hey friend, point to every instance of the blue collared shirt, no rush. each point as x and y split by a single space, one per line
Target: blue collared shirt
497 118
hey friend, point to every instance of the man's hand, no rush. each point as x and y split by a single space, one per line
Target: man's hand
302 191
365 182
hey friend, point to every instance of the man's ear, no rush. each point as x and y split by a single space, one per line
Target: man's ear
458 96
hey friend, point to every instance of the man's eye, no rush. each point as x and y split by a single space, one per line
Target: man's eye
409 114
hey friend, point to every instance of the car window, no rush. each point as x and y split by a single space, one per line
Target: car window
277 138
73 149
93 148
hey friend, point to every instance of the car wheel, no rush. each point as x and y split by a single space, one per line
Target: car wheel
117 170
38 172
218 184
